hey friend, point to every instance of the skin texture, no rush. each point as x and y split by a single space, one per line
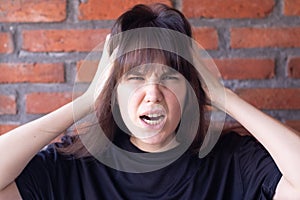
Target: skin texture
158 91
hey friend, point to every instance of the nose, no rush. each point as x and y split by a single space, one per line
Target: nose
153 93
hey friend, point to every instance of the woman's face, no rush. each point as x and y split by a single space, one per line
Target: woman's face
151 98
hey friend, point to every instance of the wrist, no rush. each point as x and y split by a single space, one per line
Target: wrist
233 103
82 106
219 99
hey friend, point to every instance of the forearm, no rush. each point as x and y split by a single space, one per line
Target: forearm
18 146
282 143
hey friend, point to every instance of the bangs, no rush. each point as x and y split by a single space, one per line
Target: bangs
146 59
142 46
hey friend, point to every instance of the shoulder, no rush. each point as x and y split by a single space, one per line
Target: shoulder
243 149
232 142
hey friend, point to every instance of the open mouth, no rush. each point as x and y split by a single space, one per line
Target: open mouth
152 119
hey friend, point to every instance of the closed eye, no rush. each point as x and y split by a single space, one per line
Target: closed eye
169 77
138 78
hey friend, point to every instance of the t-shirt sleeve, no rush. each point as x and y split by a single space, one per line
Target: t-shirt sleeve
37 179
259 173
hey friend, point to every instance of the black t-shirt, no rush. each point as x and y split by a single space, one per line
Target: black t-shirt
237 168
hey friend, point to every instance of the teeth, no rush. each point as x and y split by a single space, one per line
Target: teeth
153 122
153 119
154 115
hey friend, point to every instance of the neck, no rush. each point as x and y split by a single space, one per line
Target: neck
160 147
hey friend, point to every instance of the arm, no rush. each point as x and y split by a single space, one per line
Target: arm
282 143
18 146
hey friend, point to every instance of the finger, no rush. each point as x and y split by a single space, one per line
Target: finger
104 74
210 79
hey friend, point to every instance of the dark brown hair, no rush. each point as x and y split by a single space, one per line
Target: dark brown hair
140 16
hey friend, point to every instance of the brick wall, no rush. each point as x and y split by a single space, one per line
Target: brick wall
256 45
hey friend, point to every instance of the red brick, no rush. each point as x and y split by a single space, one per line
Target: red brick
62 40
265 37
272 98
227 8
107 9
34 73
295 124
33 11
206 37
246 68
7 127
41 103
291 7
6 43
294 67
8 104
86 70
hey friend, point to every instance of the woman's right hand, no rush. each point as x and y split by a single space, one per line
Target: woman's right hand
96 85
29 138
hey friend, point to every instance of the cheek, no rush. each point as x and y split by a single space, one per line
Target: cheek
178 88
177 98
128 101
174 108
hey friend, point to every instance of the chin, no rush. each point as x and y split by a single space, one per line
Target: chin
158 139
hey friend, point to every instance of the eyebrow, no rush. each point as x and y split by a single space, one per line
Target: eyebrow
134 72
143 71
171 72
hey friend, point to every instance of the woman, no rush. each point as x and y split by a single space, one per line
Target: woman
152 101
